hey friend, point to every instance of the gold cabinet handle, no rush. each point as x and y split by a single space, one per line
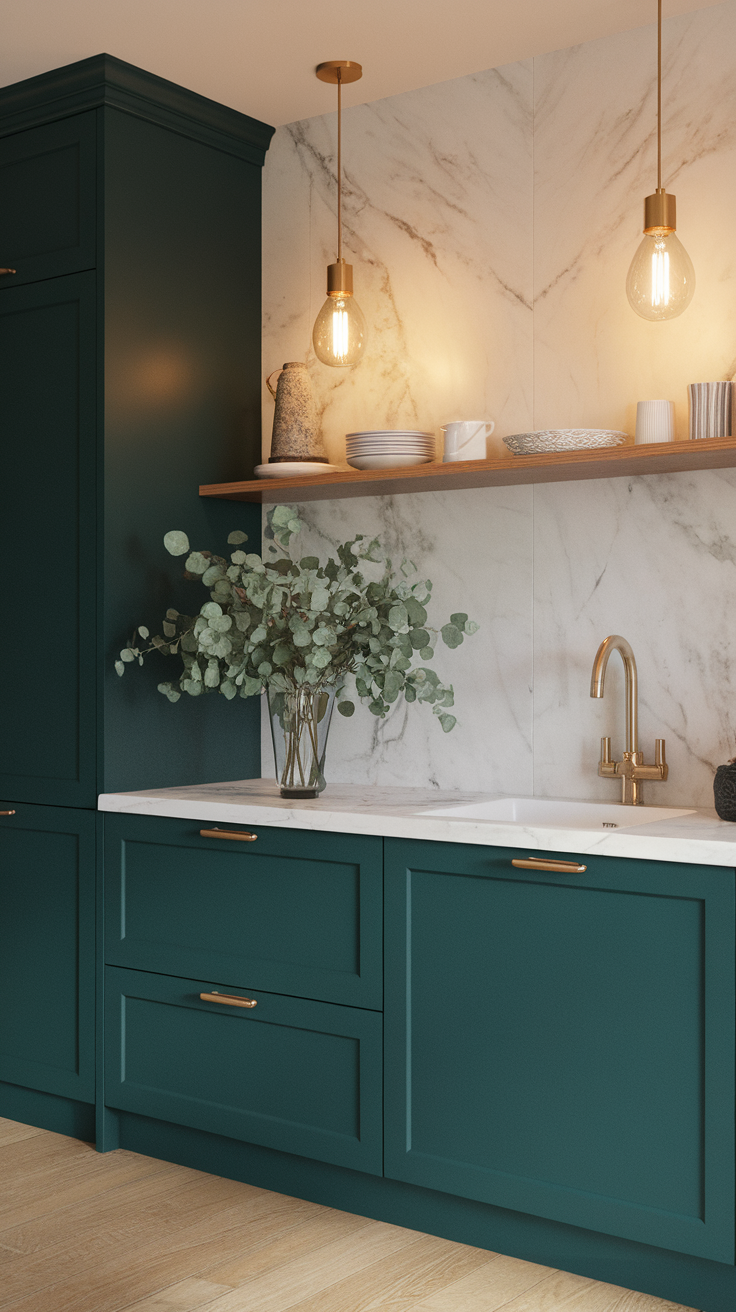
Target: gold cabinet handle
7 812
228 999
8 271
228 833
540 863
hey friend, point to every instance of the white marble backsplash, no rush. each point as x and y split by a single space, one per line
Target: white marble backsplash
491 221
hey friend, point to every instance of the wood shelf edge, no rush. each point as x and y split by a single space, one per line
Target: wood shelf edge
561 466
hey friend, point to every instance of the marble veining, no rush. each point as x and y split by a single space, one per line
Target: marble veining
491 221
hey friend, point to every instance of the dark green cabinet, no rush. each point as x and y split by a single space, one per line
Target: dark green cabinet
47 956
130 340
290 920
297 913
48 498
563 1045
287 1073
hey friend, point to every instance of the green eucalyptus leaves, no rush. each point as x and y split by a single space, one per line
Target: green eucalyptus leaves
284 623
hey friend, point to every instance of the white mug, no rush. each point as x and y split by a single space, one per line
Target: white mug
655 421
465 439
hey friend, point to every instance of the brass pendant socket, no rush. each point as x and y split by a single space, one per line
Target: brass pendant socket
660 212
339 279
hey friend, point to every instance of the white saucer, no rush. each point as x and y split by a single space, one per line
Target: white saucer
293 468
387 461
390 432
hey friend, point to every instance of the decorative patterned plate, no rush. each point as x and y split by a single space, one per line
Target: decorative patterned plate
563 439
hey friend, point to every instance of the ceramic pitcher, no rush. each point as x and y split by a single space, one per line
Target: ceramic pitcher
296 432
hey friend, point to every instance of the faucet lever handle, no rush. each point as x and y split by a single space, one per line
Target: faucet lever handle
659 757
605 751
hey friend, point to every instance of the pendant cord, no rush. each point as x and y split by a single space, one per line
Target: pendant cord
659 95
339 162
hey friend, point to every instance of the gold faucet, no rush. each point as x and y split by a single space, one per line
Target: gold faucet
631 770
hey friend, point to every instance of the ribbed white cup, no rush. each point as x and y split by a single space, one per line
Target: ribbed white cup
655 421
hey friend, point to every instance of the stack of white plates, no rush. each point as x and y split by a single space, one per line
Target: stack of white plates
389 448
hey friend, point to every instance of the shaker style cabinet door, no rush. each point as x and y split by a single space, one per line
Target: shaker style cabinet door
47 531
47 953
291 911
300 1076
563 1045
48 217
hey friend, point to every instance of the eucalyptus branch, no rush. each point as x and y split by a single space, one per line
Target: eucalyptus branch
274 621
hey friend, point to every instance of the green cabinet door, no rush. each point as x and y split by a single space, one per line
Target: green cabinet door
47 182
563 1045
300 1076
291 911
47 953
47 530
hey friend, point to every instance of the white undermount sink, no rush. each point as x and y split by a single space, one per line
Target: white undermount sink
550 813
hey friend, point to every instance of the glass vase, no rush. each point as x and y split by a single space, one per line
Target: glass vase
300 720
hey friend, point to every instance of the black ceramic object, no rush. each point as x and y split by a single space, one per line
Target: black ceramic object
724 791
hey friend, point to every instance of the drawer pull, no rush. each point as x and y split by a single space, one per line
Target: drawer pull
7 812
539 863
228 833
228 999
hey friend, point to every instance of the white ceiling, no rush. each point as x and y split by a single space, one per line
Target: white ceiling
259 55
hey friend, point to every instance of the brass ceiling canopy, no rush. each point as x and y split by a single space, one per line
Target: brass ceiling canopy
339 70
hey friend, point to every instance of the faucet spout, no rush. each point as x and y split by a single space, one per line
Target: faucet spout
597 680
631 770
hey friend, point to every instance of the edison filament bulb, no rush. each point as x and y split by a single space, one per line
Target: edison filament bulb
661 279
339 331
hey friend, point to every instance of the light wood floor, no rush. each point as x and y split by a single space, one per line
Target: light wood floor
82 1232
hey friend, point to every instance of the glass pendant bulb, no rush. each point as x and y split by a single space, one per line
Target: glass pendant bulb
339 331
661 279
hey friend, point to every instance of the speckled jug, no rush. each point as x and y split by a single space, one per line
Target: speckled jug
296 433
724 791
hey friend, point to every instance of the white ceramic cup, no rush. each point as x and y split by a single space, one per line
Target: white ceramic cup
465 439
655 421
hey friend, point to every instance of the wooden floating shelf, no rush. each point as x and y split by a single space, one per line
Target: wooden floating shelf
509 471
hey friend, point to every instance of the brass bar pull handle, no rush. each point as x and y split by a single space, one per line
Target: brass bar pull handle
2 271
7 812
540 863
228 999
228 833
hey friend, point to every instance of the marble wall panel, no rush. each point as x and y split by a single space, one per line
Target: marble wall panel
595 161
463 210
437 217
654 559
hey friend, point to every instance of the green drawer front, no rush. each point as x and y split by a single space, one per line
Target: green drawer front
563 1044
293 912
47 181
302 1077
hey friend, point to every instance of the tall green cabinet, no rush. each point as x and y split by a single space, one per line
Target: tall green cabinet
130 341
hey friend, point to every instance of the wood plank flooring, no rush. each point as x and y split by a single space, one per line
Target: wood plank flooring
82 1232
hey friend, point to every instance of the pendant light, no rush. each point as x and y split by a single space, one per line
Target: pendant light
661 280
339 330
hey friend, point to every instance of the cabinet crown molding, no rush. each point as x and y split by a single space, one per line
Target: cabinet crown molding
103 80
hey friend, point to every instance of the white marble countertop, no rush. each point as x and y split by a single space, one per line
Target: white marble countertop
699 837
